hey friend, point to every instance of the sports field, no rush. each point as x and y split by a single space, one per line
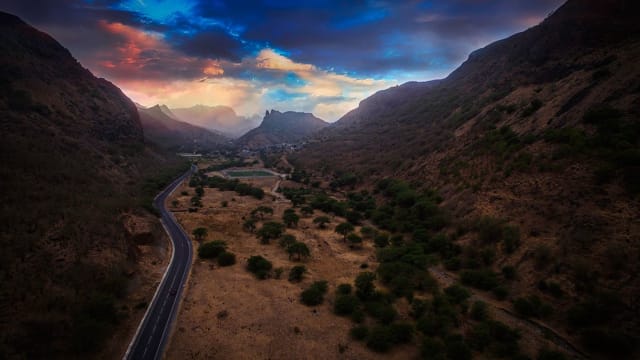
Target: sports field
248 173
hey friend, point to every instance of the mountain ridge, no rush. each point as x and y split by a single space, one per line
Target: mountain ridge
539 130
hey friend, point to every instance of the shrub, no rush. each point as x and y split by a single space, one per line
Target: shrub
270 230
211 249
457 348
299 249
542 256
509 272
481 279
344 289
510 238
321 221
364 285
359 332
381 240
226 258
354 239
296 273
314 295
345 304
457 294
368 232
380 339
432 349
532 306
287 240
382 311
259 266
290 218
200 233
479 311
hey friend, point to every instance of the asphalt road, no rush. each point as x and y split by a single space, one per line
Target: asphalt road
153 333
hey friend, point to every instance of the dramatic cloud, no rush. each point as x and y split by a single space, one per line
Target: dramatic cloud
322 56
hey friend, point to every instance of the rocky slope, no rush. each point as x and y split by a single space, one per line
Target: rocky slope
166 131
540 130
74 164
278 128
217 118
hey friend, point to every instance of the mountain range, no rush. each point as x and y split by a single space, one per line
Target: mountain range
219 118
161 126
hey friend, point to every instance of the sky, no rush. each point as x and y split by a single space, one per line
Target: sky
320 56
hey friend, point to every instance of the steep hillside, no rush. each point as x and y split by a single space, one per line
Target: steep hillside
74 168
160 128
217 118
278 128
540 131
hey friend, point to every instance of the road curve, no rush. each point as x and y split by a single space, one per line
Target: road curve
153 331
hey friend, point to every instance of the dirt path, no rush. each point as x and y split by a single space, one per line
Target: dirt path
540 334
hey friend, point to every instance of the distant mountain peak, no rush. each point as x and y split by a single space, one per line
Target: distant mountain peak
282 127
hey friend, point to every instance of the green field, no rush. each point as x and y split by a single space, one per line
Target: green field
249 173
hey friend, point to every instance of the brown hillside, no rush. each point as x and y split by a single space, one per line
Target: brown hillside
540 130
74 165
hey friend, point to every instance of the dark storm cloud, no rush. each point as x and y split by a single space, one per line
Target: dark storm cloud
362 38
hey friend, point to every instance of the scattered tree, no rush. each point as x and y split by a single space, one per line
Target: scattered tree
306 210
290 218
226 258
314 295
200 233
286 240
296 273
211 249
298 249
354 239
259 266
344 229
364 285
270 230
321 221
261 211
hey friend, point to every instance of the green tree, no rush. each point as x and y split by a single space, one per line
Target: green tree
290 218
270 230
296 273
226 258
354 239
200 233
364 285
261 211
314 295
344 229
298 249
286 240
259 266
306 210
211 249
368 232
321 221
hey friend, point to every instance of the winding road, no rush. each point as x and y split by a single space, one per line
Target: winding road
154 329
